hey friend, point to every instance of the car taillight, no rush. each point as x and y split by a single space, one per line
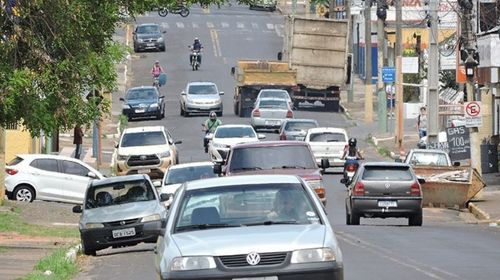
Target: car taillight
283 136
415 189
351 168
289 114
359 189
256 113
11 171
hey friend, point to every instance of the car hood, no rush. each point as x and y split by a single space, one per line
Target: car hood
203 97
148 35
306 174
273 238
142 150
234 141
137 102
126 211
171 188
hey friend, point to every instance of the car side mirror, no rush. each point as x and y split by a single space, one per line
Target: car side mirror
221 93
421 180
209 136
77 209
164 32
218 168
116 145
92 175
280 56
122 99
261 136
165 197
343 181
456 164
162 96
134 32
233 70
183 93
325 163
178 142
398 160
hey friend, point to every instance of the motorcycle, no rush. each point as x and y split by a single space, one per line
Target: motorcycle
178 10
156 82
195 59
350 169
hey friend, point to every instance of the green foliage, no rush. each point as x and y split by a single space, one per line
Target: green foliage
12 222
57 263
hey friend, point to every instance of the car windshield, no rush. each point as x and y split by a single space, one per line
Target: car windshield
273 103
15 161
142 94
245 205
202 89
436 159
327 137
235 132
274 157
298 126
182 175
148 29
119 193
274 94
387 173
149 138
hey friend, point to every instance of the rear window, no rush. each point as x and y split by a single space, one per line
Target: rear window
280 157
274 94
119 193
182 175
150 138
234 132
273 103
142 94
298 126
15 161
386 173
433 159
327 137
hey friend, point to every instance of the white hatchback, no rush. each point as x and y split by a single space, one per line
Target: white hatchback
48 177
226 136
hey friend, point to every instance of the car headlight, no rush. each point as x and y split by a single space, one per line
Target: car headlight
192 263
218 101
189 100
164 154
160 39
150 218
122 157
313 255
140 40
93 225
154 105
220 146
125 106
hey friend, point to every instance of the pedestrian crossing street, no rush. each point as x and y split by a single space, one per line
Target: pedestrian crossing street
221 26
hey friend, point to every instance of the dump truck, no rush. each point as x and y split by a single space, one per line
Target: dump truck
317 49
253 75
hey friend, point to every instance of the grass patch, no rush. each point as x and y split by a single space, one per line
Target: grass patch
123 120
57 263
3 250
383 151
12 222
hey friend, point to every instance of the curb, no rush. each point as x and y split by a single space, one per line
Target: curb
72 253
478 212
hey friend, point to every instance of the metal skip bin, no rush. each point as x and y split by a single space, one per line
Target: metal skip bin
449 186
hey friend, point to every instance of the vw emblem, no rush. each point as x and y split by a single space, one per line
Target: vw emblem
122 223
253 258
143 157
387 185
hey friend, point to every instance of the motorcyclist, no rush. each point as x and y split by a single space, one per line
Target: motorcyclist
351 154
196 47
210 126
156 71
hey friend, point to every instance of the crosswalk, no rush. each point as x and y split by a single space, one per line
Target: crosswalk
220 26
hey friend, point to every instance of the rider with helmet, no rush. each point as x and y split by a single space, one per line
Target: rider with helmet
210 126
351 153
196 47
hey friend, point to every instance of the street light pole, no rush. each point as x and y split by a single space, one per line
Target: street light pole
382 95
433 76
368 63
399 77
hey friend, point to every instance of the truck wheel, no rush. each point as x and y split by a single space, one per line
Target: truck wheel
415 220
236 107
355 219
240 111
347 217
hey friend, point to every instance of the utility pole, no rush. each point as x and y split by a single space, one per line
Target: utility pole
2 163
470 58
368 63
433 75
350 90
382 95
399 76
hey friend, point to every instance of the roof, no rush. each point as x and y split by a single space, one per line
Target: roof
386 163
273 89
242 180
117 179
233 125
270 144
201 83
433 151
32 156
191 164
142 87
147 23
327 129
144 129
301 120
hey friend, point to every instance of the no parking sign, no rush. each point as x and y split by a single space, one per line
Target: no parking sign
473 114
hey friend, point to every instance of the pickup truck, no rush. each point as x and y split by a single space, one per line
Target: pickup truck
275 157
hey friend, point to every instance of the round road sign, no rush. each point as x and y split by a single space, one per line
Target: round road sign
473 109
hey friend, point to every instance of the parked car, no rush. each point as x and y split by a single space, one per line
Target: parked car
429 157
143 101
383 190
48 177
270 113
296 129
148 36
275 93
263 4
178 174
118 211
225 136
275 157
328 143
248 227
201 97
145 150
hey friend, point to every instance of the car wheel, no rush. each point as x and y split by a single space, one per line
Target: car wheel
87 250
347 216
355 219
24 193
136 49
415 220
162 49
163 112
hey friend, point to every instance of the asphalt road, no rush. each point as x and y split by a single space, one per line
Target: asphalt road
443 248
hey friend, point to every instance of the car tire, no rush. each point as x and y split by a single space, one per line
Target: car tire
355 219
162 49
163 113
136 49
24 193
347 216
415 220
87 250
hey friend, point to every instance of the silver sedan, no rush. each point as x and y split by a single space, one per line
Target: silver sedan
270 113
248 227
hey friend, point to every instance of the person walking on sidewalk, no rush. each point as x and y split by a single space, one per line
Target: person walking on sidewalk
78 140
422 122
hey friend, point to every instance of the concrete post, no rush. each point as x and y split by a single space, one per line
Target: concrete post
2 164
368 63
433 76
399 77
382 95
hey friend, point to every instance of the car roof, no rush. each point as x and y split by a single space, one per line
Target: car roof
233 125
200 83
327 129
271 98
433 151
386 164
191 164
273 89
37 156
141 87
144 129
242 180
270 144
148 23
116 179
301 120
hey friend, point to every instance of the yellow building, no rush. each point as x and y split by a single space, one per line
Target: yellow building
409 41
19 141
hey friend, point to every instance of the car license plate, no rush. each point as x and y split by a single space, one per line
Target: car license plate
387 204
138 111
258 278
143 171
272 122
150 44
119 233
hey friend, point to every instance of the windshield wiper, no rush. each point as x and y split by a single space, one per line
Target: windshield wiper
248 168
289 167
267 223
204 226
332 140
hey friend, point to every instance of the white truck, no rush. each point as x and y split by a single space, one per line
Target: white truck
317 49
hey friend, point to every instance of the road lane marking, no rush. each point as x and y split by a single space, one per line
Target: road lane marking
210 25
386 253
195 25
225 24
255 25
165 25
180 25
270 26
215 42
240 25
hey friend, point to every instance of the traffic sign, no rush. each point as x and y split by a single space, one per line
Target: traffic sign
388 74
473 114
